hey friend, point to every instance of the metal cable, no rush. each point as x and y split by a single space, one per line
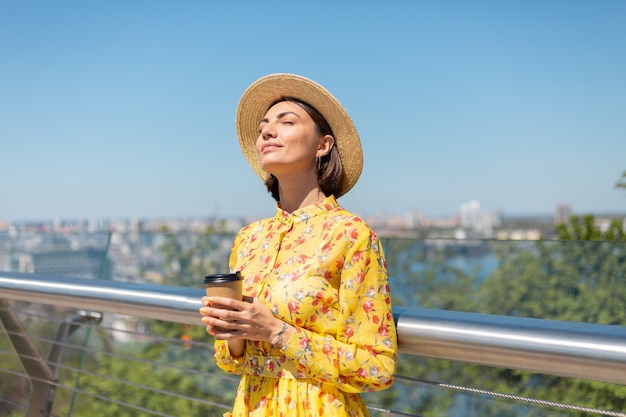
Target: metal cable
519 398
391 412
137 407
131 358
157 338
121 382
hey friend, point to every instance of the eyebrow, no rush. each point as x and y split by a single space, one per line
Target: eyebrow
280 116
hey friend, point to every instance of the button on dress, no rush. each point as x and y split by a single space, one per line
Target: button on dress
322 270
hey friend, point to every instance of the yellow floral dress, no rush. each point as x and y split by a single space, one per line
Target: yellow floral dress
322 270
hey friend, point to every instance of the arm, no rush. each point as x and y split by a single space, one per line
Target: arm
362 355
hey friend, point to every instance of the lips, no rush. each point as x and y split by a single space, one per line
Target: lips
270 146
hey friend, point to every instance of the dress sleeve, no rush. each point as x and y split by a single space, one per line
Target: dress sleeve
221 353
225 361
362 355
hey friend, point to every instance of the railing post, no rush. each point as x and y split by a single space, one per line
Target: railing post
43 375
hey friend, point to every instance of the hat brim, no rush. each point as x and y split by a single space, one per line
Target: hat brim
256 100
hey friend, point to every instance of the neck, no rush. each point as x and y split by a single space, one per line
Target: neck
298 193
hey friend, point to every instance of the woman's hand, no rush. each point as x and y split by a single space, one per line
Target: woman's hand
229 319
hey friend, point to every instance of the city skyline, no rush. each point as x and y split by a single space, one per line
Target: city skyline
410 219
126 109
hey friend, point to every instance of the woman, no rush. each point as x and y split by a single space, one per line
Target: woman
316 328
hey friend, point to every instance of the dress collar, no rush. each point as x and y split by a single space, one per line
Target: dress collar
305 213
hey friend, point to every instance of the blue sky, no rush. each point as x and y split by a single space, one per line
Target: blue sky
126 108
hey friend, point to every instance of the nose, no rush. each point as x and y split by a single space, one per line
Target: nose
268 131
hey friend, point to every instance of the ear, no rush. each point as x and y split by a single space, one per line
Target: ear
325 146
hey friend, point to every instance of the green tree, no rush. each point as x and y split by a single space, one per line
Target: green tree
578 278
188 257
421 275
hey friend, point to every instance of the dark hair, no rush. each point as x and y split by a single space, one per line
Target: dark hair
330 171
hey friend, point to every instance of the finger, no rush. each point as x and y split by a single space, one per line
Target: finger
210 311
229 303
210 330
213 321
213 312
224 325
225 334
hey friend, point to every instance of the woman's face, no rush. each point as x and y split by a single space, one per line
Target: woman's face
288 140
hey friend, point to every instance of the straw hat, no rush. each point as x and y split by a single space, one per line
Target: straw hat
256 100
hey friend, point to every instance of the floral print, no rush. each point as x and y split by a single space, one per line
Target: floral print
322 270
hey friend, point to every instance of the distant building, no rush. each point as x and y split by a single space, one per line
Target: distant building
98 225
563 214
472 219
88 263
469 214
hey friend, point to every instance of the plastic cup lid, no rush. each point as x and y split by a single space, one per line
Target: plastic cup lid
220 278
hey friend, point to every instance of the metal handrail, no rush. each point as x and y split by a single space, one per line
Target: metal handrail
580 350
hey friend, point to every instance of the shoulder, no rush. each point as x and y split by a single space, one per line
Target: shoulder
352 224
256 224
348 217
254 228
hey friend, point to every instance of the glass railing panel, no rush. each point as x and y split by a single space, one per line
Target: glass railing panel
581 281
15 389
564 280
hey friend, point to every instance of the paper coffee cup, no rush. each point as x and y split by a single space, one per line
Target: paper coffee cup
223 285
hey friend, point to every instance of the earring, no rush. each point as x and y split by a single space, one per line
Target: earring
319 163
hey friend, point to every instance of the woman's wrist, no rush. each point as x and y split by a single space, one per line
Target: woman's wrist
277 340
